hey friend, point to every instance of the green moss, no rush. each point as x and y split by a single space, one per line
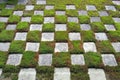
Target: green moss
46 47
2 26
84 19
3 58
107 20
117 25
71 13
33 36
22 26
2 5
48 27
29 59
37 19
61 60
19 7
60 38
45 69
12 2
17 47
60 7
61 19
28 13
7 35
14 19
39 7
49 13
114 13
114 75
73 27
93 13
117 56
6 12
45 76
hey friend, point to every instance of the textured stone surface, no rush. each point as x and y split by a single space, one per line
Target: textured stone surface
4 46
3 19
74 36
42 2
47 36
22 2
70 7
82 12
116 2
18 13
117 20
61 47
48 7
103 13
95 19
26 19
20 36
39 13
9 6
110 7
60 12
11 27
34 27
91 7
73 19
60 27
116 46
29 7
85 27
48 19
110 27
101 36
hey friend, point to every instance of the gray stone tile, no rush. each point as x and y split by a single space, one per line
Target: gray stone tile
14 59
117 20
103 13
20 36
29 7
74 36
70 7
116 2
95 19
99 73
89 47
60 12
30 46
22 2
110 27
3 19
61 47
9 6
4 46
0 72
101 36
60 27
110 7
41 2
77 59
109 60
49 20
73 19
91 7
26 19
116 46
83 12
47 37
34 27
62 74
49 7
45 60
39 13
27 74
18 13
11 27
85 27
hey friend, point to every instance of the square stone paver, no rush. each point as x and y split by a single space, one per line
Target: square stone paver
47 37
96 73
85 27
48 19
77 59
110 7
62 74
61 47
117 20
116 46
89 47
110 27
32 46
60 27
45 60
42 2
74 36
103 13
73 19
60 12
14 59
11 27
29 7
20 36
70 7
101 36
39 13
48 7
116 2
95 19
27 74
83 12
36 27
26 19
4 46
3 19
23 2
9 6
91 7
109 60
18 13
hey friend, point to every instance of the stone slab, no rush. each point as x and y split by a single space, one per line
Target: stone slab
116 2
47 37
22 2
73 19
48 19
34 27
117 20
29 7
20 36
95 19
91 7
110 27
26 19
18 13
39 13
70 7
60 12
83 12
4 19
85 27
116 46
4 46
101 36
60 27
49 7
74 36
103 13
110 7
61 47
11 27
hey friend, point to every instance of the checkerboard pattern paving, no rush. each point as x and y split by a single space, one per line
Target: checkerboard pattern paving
50 37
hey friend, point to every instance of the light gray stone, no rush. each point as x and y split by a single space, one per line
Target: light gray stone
116 46
18 13
60 27
22 2
60 12
11 27
109 60
47 37
73 19
95 19
30 46
4 19
91 7
48 19
9 6
85 27
45 60
0 72
62 74
117 20
74 36
39 13
26 19
89 47
14 59
110 27
29 7
96 73
48 7
61 47
70 7
103 13
20 36
110 7
101 36
27 74
4 46
77 59
116 2
42 2
83 12
34 27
